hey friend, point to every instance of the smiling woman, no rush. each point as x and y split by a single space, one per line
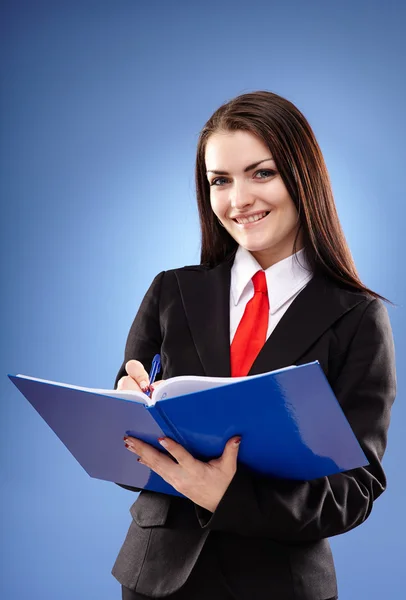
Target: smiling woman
257 212
276 286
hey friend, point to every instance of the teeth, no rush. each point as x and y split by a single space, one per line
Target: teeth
252 219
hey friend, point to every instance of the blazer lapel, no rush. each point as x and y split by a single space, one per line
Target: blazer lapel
206 300
314 310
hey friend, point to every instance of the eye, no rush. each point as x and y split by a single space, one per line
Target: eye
268 173
214 182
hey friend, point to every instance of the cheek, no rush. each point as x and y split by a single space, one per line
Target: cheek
291 218
291 209
286 205
217 206
278 195
288 216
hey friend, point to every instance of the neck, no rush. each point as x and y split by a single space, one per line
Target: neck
266 258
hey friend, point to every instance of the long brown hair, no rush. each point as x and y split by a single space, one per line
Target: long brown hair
298 158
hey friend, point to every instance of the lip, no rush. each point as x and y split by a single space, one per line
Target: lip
254 223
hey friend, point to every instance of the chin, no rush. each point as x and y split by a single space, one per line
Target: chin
252 247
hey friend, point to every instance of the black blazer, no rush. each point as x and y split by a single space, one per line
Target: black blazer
270 534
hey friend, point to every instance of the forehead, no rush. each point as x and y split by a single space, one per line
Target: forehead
234 149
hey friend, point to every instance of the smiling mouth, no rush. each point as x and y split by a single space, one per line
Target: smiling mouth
252 218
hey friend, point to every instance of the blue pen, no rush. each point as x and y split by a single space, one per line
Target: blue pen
155 368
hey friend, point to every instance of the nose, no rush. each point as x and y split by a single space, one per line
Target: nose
239 197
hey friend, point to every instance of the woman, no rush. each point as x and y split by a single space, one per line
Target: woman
270 231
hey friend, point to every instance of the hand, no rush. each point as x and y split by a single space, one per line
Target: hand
137 378
203 483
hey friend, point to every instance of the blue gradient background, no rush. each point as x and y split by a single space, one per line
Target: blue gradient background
101 105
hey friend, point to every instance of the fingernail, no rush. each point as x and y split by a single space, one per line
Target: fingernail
163 442
125 437
140 461
237 441
126 445
144 385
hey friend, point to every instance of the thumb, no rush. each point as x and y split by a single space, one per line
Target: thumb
230 453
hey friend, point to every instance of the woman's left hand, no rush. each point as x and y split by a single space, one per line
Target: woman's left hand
203 483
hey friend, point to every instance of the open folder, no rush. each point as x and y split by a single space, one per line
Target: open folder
290 421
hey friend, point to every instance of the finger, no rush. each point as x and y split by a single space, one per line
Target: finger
138 446
230 454
183 457
152 458
136 370
156 384
128 383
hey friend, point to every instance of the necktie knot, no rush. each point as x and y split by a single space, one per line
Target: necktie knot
259 281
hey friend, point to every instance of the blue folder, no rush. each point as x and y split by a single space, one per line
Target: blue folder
290 421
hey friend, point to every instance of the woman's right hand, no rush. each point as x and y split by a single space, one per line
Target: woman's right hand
136 379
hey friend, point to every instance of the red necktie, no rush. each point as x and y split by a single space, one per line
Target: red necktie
252 329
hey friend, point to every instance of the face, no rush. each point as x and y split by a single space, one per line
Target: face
248 196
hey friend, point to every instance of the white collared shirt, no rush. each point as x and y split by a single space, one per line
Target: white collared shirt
285 280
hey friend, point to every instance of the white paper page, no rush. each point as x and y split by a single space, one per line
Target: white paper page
188 384
176 386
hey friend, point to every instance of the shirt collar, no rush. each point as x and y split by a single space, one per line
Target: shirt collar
283 279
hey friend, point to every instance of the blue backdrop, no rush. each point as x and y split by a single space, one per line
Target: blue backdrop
101 105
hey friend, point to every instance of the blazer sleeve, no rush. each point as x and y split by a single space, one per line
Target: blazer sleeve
144 339
292 511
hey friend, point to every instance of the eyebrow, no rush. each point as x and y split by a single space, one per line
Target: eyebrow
249 168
